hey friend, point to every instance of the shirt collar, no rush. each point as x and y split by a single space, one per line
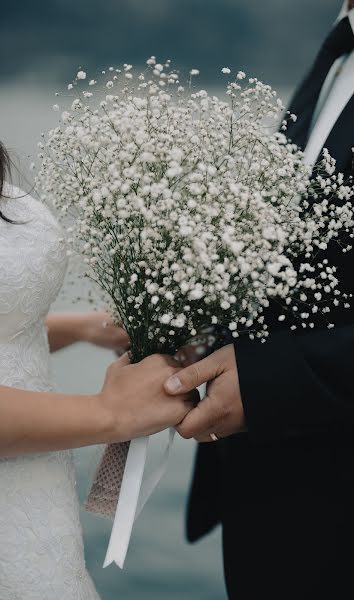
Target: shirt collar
344 12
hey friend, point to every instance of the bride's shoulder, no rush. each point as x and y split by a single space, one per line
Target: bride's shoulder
18 204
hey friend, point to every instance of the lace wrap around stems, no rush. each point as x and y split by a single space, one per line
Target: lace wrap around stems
104 493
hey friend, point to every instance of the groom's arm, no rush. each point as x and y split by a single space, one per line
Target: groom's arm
297 384
290 386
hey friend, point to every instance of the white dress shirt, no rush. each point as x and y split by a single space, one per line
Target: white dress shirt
336 92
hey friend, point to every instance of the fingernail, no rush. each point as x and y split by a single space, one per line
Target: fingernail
173 384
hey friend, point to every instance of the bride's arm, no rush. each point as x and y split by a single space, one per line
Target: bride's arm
65 329
39 422
132 404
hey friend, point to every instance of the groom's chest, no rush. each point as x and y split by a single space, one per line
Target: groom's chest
333 123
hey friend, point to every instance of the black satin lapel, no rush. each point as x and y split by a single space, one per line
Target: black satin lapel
298 132
303 106
341 139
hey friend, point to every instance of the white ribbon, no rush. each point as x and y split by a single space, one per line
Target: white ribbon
133 496
154 479
135 493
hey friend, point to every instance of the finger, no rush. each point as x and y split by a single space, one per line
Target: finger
121 347
185 403
207 439
171 360
193 399
123 360
120 351
187 355
201 421
192 376
220 434
193 350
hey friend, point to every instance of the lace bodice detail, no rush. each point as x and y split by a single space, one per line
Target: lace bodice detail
41 547
32 267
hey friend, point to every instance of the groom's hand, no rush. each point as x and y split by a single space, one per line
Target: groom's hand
221 411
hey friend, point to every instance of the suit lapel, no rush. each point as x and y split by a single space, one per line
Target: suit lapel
340 140
328 128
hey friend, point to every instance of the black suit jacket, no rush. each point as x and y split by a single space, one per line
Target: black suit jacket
298 400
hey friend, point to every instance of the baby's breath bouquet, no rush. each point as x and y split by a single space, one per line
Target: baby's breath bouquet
189 211
188 208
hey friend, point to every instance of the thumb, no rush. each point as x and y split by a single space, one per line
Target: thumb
191 377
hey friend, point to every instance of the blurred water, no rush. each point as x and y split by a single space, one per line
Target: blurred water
160 564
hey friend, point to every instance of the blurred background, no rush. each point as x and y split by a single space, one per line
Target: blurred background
42 44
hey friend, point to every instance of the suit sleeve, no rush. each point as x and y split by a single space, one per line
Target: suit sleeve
294 385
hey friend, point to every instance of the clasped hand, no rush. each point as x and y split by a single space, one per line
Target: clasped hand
156 394
221 410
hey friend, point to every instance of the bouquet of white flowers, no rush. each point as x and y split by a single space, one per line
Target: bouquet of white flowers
189 209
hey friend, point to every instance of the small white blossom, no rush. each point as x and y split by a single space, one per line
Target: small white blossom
165 319
179 321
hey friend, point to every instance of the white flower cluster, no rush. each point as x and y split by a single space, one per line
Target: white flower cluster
188 209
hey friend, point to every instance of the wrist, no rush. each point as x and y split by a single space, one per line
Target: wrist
107 428
65 329
79 325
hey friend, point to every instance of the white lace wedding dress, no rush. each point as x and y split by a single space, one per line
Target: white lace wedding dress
41 548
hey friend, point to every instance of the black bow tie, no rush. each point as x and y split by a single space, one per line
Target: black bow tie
340 41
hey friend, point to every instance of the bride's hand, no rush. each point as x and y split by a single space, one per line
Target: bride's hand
135 402
97 328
